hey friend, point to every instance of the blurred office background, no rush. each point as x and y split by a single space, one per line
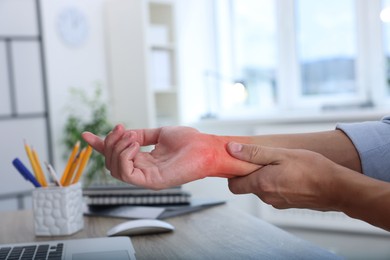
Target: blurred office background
232 67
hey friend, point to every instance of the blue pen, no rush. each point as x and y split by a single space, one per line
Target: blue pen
25 172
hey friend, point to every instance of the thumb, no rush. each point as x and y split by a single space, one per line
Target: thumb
94 141
256 154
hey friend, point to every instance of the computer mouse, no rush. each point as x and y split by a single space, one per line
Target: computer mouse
140 227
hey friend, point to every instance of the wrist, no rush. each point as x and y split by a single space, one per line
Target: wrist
225 164
351 190
339 189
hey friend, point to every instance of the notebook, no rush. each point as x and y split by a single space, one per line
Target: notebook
113 248
132 195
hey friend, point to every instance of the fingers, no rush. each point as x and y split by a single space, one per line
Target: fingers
148 136
144 137
110 142
93 140
127 142
257 154
125 165
242 185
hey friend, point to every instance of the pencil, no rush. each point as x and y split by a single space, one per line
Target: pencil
72 168
41 176
70 162
83 163
53 173
32 161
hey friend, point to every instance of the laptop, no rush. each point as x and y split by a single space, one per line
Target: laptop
104 248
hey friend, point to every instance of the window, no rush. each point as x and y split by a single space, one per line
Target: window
255 53
291 54
327 46
251 71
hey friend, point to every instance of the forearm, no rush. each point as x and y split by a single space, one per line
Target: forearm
334 145
364 198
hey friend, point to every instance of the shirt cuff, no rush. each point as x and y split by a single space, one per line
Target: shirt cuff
372 141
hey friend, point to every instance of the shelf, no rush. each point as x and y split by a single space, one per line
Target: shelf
144 44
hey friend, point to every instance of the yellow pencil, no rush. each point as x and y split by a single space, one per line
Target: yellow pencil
70 162
77 166
83 163
72 168
32 161
40 175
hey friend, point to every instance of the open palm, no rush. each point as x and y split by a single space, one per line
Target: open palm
180 155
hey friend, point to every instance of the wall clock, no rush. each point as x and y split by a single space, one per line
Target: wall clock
72 26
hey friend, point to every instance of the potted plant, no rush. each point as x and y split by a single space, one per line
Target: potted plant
88 113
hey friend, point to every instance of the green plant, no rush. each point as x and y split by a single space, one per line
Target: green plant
87 113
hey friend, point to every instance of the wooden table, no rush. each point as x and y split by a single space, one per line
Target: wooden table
216 233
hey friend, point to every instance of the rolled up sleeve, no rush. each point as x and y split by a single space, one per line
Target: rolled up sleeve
372 141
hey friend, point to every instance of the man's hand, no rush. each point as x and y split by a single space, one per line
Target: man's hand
289 178
180 155
292 178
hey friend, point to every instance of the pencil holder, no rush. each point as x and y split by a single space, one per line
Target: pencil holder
58 210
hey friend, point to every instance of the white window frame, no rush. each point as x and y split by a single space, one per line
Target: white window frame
370 60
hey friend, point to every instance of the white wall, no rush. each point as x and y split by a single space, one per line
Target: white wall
68 66
22 110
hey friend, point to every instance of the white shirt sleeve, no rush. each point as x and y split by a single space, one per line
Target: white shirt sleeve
372 141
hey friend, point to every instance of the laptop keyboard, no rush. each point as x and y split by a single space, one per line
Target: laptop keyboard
33 252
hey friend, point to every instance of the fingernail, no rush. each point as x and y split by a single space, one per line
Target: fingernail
235 147
116 128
